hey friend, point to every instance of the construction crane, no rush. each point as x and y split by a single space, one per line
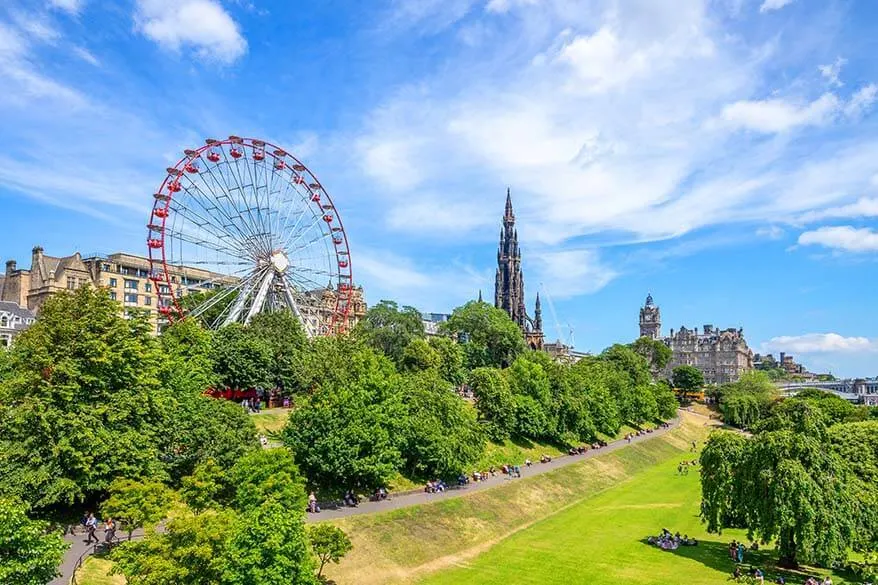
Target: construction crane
569 340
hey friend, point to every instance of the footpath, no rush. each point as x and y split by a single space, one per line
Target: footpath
79 550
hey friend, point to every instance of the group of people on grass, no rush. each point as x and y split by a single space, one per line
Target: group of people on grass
436 486
683 467
757 574
668 541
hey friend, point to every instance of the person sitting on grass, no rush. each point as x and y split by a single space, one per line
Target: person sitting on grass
351 499
462 480
429 488
528 462
516 471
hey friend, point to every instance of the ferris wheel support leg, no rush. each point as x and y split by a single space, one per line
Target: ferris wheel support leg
259 301
291 301
235 313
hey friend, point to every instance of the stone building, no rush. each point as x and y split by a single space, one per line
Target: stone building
322 303
721 355
509 282
13 320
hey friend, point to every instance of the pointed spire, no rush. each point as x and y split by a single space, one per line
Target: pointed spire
480 296
509 213
538 302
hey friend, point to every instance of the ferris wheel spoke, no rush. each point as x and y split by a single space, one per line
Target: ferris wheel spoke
245 228
178 235
254 184
304 246
178 207
210 204
296 236
214 300
246 292
300 211
303 282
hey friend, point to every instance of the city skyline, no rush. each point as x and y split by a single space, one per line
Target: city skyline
718 155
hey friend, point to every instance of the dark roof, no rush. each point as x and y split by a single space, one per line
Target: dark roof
17 311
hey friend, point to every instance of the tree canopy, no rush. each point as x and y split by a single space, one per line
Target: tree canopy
488 335
688 379
29 553
390 328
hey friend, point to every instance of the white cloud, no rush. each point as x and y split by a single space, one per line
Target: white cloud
847 238
831 72
86 56
504 6
769 5
569 273
71 6
771 232
861 101
863 207
202 25
820 343
779 115
428 15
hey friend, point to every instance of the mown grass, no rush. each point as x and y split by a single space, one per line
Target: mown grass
404 545
270 422
96 571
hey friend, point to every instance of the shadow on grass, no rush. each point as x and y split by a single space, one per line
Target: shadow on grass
716 556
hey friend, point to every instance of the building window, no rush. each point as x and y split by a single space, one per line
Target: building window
113 282
71 283
105 267
130 284
113 295
147 300
4 322
131 298
147 287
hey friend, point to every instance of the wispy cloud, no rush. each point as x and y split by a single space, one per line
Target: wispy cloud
831 71
71 6
863 207
769 5
570 273
820 343
844 238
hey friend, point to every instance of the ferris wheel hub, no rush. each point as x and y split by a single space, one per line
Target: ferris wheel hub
279 261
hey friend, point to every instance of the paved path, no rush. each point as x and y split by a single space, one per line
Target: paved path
78 549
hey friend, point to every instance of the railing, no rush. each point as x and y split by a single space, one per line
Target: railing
97 548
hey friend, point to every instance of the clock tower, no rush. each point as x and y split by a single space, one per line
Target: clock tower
650 320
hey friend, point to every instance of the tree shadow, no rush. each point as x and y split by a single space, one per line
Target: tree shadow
715 555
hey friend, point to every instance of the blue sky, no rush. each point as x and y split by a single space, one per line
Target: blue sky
721 154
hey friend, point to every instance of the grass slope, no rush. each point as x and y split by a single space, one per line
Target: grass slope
96 571
404 545
270 422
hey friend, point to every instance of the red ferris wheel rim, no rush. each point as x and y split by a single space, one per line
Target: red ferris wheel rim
279 160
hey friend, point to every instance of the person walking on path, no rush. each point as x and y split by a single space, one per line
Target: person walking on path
91 524
109 530
740 552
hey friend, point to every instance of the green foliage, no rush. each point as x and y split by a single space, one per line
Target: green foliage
835 408
441 437
489 336
857 445
625 360
745 402
206 487
282 333
265 475
494 401
187 366
240 360
83 404
420 356
451 359
656 353
390 329
219 300
688 379
329 543
665 400
346 433
137 504
784 485
29 553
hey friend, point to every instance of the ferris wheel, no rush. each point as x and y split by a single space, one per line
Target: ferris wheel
244 227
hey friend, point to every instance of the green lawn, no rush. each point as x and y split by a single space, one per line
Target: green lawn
96 571
270 422
600 541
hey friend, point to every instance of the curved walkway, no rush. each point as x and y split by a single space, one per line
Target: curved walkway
79 550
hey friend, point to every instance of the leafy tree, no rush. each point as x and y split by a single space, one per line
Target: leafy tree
389 328
656 353
217 301
590 377
329 543
741 409
137 504
83 404
451 359
665 400
441 437
29 553
627 361
531 419
784 486
489 336
494 401
857 445
206 487
836 409
346 434
186 366
745 402
721 506
420 356
268 474
688 379
282 333
240 360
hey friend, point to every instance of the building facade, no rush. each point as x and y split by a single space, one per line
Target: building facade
13 320
509 282
721 355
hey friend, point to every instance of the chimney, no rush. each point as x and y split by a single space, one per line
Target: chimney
10 267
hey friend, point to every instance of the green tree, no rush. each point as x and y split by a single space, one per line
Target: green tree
268 474
441 437
784 486
346 433
720 459
206 487
186 366
745 402
390 328
137 504
214 304
329 543
82 404
489 336
240 359
451 359
665 400
654 351
494 401
688 379
29 552
419 356
282 333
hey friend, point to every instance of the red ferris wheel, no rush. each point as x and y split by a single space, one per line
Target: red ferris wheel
246 224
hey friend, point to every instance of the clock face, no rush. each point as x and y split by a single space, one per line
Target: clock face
647 318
